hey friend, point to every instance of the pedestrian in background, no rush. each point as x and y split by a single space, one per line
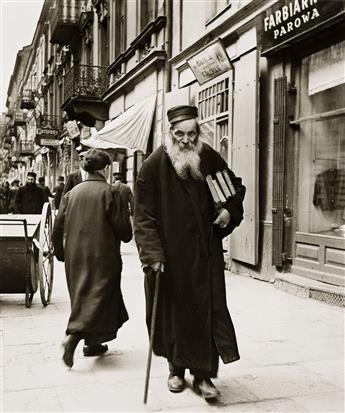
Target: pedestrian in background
91 223
179 233
4 196
124 190
13 193
58 190
30 198
45 189
76 177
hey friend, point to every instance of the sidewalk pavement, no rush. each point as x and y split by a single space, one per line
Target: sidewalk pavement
292 355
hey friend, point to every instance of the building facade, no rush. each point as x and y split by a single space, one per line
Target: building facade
304 51
275 110
267 77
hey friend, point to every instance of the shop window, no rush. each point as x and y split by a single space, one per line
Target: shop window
321 190
213 104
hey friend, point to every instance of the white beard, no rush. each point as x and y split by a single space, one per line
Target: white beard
185 161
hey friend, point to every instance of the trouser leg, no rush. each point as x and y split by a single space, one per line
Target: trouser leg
176 371
213 372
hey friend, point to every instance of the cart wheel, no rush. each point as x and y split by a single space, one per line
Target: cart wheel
29 295
46 255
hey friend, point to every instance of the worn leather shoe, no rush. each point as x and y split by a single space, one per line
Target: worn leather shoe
94 350
175 383
70 343
205 388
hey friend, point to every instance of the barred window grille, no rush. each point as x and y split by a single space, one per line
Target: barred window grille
214 114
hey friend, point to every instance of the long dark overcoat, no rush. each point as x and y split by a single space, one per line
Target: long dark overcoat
92 221
173 223
29 200
73 179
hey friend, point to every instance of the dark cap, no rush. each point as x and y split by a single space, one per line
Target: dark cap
182 112
41 179
61 178
95 159
31 174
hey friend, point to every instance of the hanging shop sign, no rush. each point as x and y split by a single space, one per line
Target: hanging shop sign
48 142
209 62
288 19
47 132
47 137
72 129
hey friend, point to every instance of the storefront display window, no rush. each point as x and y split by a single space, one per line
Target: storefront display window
214 114
321 186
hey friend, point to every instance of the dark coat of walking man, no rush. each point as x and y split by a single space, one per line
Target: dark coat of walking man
91 223
76 177
178 231
29 198
5 197
58 190
45 189
125 191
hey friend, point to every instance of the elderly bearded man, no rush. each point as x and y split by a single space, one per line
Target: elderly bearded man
177 231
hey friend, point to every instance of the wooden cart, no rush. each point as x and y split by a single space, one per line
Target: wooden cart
26 255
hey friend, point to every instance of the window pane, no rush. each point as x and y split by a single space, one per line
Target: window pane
321 191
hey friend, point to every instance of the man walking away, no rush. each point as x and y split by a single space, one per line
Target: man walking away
58 190
45 189
4 196
179 232
91 223
13 192
125 191
76 177
30 198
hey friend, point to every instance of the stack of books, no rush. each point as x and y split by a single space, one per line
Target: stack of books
221 187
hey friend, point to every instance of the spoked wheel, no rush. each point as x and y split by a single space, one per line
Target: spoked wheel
46 255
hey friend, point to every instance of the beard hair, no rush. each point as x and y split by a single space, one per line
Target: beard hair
185 161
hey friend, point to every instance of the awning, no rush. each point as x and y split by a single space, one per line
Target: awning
130 130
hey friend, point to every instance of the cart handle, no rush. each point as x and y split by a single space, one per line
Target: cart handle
25 228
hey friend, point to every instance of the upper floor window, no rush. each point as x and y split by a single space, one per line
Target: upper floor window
213 7
120 27
147 12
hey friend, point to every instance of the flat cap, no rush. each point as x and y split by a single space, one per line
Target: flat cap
31 174
182 112
95 159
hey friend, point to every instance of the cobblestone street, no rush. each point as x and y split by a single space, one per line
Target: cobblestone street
292 355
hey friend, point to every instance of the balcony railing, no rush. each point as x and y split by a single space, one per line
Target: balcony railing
27 148
28 101
85 81
49 122
65 21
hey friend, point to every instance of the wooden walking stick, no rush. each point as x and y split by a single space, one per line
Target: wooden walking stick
152 334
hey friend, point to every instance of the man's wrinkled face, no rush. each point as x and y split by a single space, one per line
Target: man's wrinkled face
30 180
185 134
